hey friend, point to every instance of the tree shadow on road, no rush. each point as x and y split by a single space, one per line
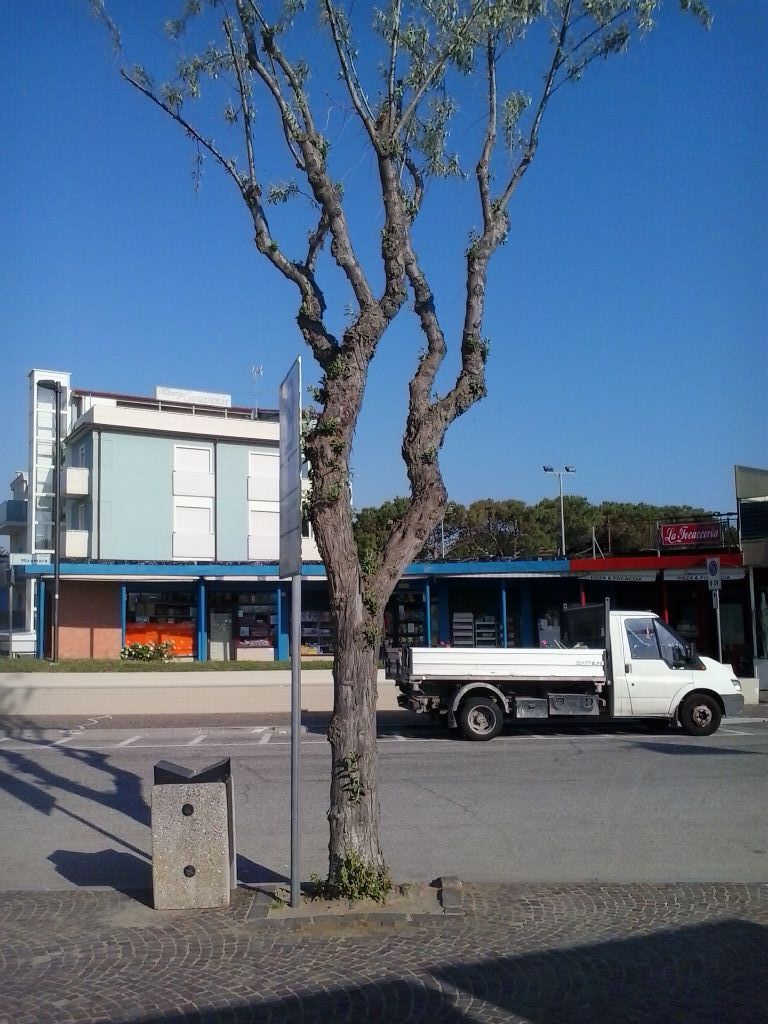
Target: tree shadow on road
42 788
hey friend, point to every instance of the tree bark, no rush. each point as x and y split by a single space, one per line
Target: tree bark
353 814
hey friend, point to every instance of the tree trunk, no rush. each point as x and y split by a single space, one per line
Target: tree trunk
353 813
354 805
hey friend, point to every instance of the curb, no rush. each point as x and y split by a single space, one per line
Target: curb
449 893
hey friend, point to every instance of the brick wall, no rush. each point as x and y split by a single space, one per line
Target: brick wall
89 620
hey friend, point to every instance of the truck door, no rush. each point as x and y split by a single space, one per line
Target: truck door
655 666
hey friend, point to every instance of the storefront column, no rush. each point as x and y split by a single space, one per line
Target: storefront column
282 650
123 613
427 614
443 615
664 600
202 624
526 614
40 624
503 592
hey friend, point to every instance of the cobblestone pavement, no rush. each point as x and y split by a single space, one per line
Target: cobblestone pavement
544 955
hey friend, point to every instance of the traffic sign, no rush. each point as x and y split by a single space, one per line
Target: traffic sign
713 573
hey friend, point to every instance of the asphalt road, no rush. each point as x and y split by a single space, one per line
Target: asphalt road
564 805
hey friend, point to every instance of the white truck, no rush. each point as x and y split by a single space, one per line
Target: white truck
619 665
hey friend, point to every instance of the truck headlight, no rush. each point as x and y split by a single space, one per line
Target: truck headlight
736 684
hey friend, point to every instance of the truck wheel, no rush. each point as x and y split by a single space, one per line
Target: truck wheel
700 715
480 718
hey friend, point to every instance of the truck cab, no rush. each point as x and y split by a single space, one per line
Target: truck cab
654 673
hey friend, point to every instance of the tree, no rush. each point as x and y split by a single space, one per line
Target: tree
418 59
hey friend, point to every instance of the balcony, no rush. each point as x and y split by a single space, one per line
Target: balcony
13 515
75 543
75 481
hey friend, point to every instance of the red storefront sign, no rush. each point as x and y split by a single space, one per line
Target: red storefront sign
689 534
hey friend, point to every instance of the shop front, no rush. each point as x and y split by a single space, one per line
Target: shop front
676 587
160 616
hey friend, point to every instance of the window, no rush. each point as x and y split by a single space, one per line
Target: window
641 636
192 460
192 519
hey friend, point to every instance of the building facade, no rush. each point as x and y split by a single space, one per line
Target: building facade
169 512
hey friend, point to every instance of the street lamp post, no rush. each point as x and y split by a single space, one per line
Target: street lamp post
55 387
559 473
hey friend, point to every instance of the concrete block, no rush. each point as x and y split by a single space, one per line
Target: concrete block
750 690
190 846
451 897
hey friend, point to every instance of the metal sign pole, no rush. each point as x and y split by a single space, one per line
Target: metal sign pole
10 610
716 603
290 566
713 575
295 738
57 525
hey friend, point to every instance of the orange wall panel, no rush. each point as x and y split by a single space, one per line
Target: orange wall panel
89 620
180 634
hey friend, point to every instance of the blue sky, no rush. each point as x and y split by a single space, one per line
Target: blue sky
627 313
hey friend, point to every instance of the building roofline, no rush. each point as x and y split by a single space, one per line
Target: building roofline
118 396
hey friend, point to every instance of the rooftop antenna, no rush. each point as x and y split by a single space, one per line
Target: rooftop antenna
256 373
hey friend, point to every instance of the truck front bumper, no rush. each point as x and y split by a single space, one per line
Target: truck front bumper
733 704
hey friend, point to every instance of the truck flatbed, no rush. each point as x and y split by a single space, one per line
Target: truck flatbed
499 664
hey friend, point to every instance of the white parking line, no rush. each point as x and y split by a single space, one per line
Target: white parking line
264 739
128 742
197 739
64 739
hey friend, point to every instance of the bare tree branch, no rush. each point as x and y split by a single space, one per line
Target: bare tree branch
312 149
351 79
228 165
391 77
316 241
243 100
437 69
483 164
533 136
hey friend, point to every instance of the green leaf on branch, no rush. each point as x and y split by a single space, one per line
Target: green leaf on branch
282 191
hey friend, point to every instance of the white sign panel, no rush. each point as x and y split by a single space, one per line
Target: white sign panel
639 576
701 575
22 558
290 472
184 397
